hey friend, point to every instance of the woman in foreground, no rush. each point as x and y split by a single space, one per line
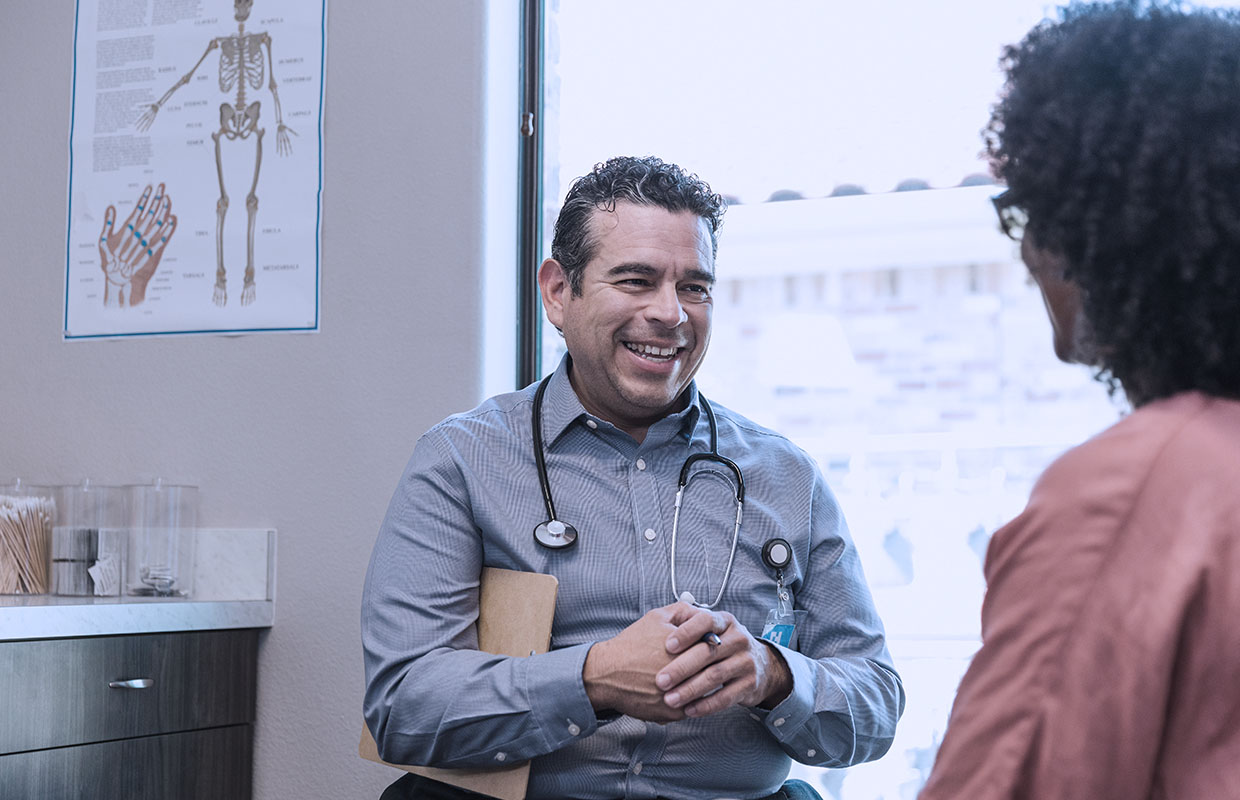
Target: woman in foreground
1110 663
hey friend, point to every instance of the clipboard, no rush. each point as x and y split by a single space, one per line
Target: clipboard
515 611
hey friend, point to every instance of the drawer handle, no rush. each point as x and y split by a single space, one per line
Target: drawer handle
135 683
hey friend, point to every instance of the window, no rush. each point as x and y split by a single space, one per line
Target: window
867 306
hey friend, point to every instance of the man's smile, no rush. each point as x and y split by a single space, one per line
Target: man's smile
652 352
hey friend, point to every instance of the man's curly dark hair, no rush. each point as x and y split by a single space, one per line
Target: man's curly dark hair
1118 134
646 181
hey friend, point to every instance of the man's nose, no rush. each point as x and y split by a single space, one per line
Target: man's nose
665 307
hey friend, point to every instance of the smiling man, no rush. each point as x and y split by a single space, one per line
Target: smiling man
644 693
637 321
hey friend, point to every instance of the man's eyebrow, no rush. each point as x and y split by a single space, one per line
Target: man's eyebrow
639 268
631 268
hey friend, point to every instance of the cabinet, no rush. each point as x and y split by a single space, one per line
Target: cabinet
165 715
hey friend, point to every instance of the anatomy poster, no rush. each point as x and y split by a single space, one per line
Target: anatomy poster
195 167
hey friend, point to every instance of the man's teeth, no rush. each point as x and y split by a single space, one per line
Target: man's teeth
651 350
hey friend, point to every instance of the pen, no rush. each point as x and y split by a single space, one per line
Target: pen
710 637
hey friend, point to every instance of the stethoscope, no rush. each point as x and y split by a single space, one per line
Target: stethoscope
557 534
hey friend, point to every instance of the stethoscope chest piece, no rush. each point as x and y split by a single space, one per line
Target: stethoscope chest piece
555 534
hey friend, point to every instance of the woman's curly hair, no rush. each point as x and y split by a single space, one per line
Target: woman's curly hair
1118 135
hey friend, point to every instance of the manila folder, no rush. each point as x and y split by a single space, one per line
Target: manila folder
515 610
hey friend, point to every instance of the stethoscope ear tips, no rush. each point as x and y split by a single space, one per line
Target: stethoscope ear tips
555 534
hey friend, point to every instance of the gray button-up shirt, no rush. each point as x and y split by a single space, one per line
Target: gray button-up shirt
470 498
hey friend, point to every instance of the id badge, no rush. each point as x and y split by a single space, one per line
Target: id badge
780 629
781 621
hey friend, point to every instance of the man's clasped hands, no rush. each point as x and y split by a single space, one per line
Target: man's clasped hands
662 669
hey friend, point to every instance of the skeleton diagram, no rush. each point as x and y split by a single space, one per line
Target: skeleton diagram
241 64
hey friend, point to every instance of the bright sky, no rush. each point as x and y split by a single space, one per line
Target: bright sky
801 95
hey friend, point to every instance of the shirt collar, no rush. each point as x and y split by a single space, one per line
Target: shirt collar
562 407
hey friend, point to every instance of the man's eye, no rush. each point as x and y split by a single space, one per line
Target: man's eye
696 288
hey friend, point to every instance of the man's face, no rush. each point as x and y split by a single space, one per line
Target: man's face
639 330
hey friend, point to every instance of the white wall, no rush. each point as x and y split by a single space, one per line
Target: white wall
304 433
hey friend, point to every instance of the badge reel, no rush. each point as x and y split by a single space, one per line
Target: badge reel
781 621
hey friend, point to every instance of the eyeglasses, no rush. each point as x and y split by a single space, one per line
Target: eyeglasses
1012 218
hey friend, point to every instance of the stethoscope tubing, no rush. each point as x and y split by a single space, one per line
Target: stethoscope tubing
539 459
736 533
557 534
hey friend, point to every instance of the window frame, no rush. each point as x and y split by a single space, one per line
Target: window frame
529 203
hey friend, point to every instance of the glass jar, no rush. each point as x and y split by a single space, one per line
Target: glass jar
27 514
90 540
163 521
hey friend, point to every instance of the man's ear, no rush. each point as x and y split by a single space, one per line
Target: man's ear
554 287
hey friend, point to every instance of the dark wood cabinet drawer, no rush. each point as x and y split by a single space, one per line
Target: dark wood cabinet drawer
199 679
214 764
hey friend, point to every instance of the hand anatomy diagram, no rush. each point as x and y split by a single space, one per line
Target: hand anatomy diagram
241 64
130 254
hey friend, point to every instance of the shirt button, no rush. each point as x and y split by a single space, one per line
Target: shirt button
637 768
755 717
779 722
591 424
649 534
811 753
573 729
501 756
641 463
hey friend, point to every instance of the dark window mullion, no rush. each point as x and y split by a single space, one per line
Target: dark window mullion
529 234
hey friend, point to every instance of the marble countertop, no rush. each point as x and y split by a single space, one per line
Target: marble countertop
51 617
234 587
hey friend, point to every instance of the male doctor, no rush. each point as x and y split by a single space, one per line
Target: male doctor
636 698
